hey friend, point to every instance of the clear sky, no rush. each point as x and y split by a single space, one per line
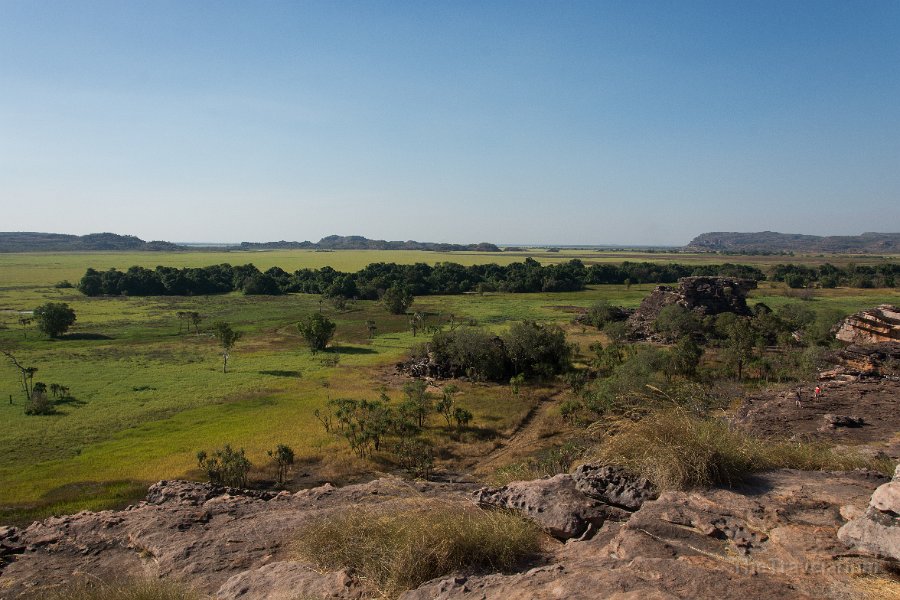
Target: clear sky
563 122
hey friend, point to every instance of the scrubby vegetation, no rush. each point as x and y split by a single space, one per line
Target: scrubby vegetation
678 450
399 548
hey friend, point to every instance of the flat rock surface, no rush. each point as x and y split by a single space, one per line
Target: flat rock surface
776 537
775 413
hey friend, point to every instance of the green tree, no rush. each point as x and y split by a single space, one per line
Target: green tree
417 404
227 339
397 299
283 456
683 359
54 318
445 405
226 466
317 330
27 374
740 340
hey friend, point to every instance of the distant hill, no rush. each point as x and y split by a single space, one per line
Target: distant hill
357 242
773 242
20 241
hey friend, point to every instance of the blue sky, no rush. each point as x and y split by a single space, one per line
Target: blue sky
513 122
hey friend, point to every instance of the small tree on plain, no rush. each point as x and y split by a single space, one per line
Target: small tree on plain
227 339
317 330
54 318
27 374
397 299
283 456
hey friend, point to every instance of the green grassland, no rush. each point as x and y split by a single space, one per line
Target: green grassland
148 395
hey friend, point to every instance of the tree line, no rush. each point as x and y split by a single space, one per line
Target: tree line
370 283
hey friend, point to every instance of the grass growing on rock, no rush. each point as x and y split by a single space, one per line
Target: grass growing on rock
677 450
128 590
402 547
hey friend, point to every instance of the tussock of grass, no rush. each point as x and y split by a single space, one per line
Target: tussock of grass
401 548
131 590
676 450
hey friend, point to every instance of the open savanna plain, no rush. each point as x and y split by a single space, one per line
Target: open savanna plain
147 394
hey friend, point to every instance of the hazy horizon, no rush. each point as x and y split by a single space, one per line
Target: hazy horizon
576 123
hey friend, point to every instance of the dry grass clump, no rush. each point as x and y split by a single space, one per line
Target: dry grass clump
123 590
399 548
677 450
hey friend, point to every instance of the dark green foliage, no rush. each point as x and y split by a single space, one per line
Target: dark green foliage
602 313
54 318
226 466
528 349
317 330
675 321
283 456
376 279
397 299
537 350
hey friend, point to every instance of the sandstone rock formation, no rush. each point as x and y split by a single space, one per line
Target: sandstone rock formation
705 295
775 538
878 530
871 326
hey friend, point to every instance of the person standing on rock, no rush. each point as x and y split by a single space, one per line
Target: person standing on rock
799 397
817 393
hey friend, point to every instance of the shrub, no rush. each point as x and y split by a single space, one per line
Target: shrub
397 299
226 466
317 330
54 318
39 403
400 548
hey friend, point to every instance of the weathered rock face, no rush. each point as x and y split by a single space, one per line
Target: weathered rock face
872 326
776 538
557 504
705 295
877 531
865 361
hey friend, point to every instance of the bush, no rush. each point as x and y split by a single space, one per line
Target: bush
317 330
39 403
676 450
54 318
537 350
225 467
399 548
397 299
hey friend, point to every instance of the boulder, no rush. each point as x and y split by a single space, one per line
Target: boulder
555 503
877 531
833 421
613 485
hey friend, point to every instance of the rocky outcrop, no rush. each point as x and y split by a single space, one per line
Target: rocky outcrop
705 295
877 531
557 504
865 361
872 326
775 538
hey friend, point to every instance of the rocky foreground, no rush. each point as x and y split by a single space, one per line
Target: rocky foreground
775 537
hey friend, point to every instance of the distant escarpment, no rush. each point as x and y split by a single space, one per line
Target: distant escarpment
772 242
357 242
25 241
